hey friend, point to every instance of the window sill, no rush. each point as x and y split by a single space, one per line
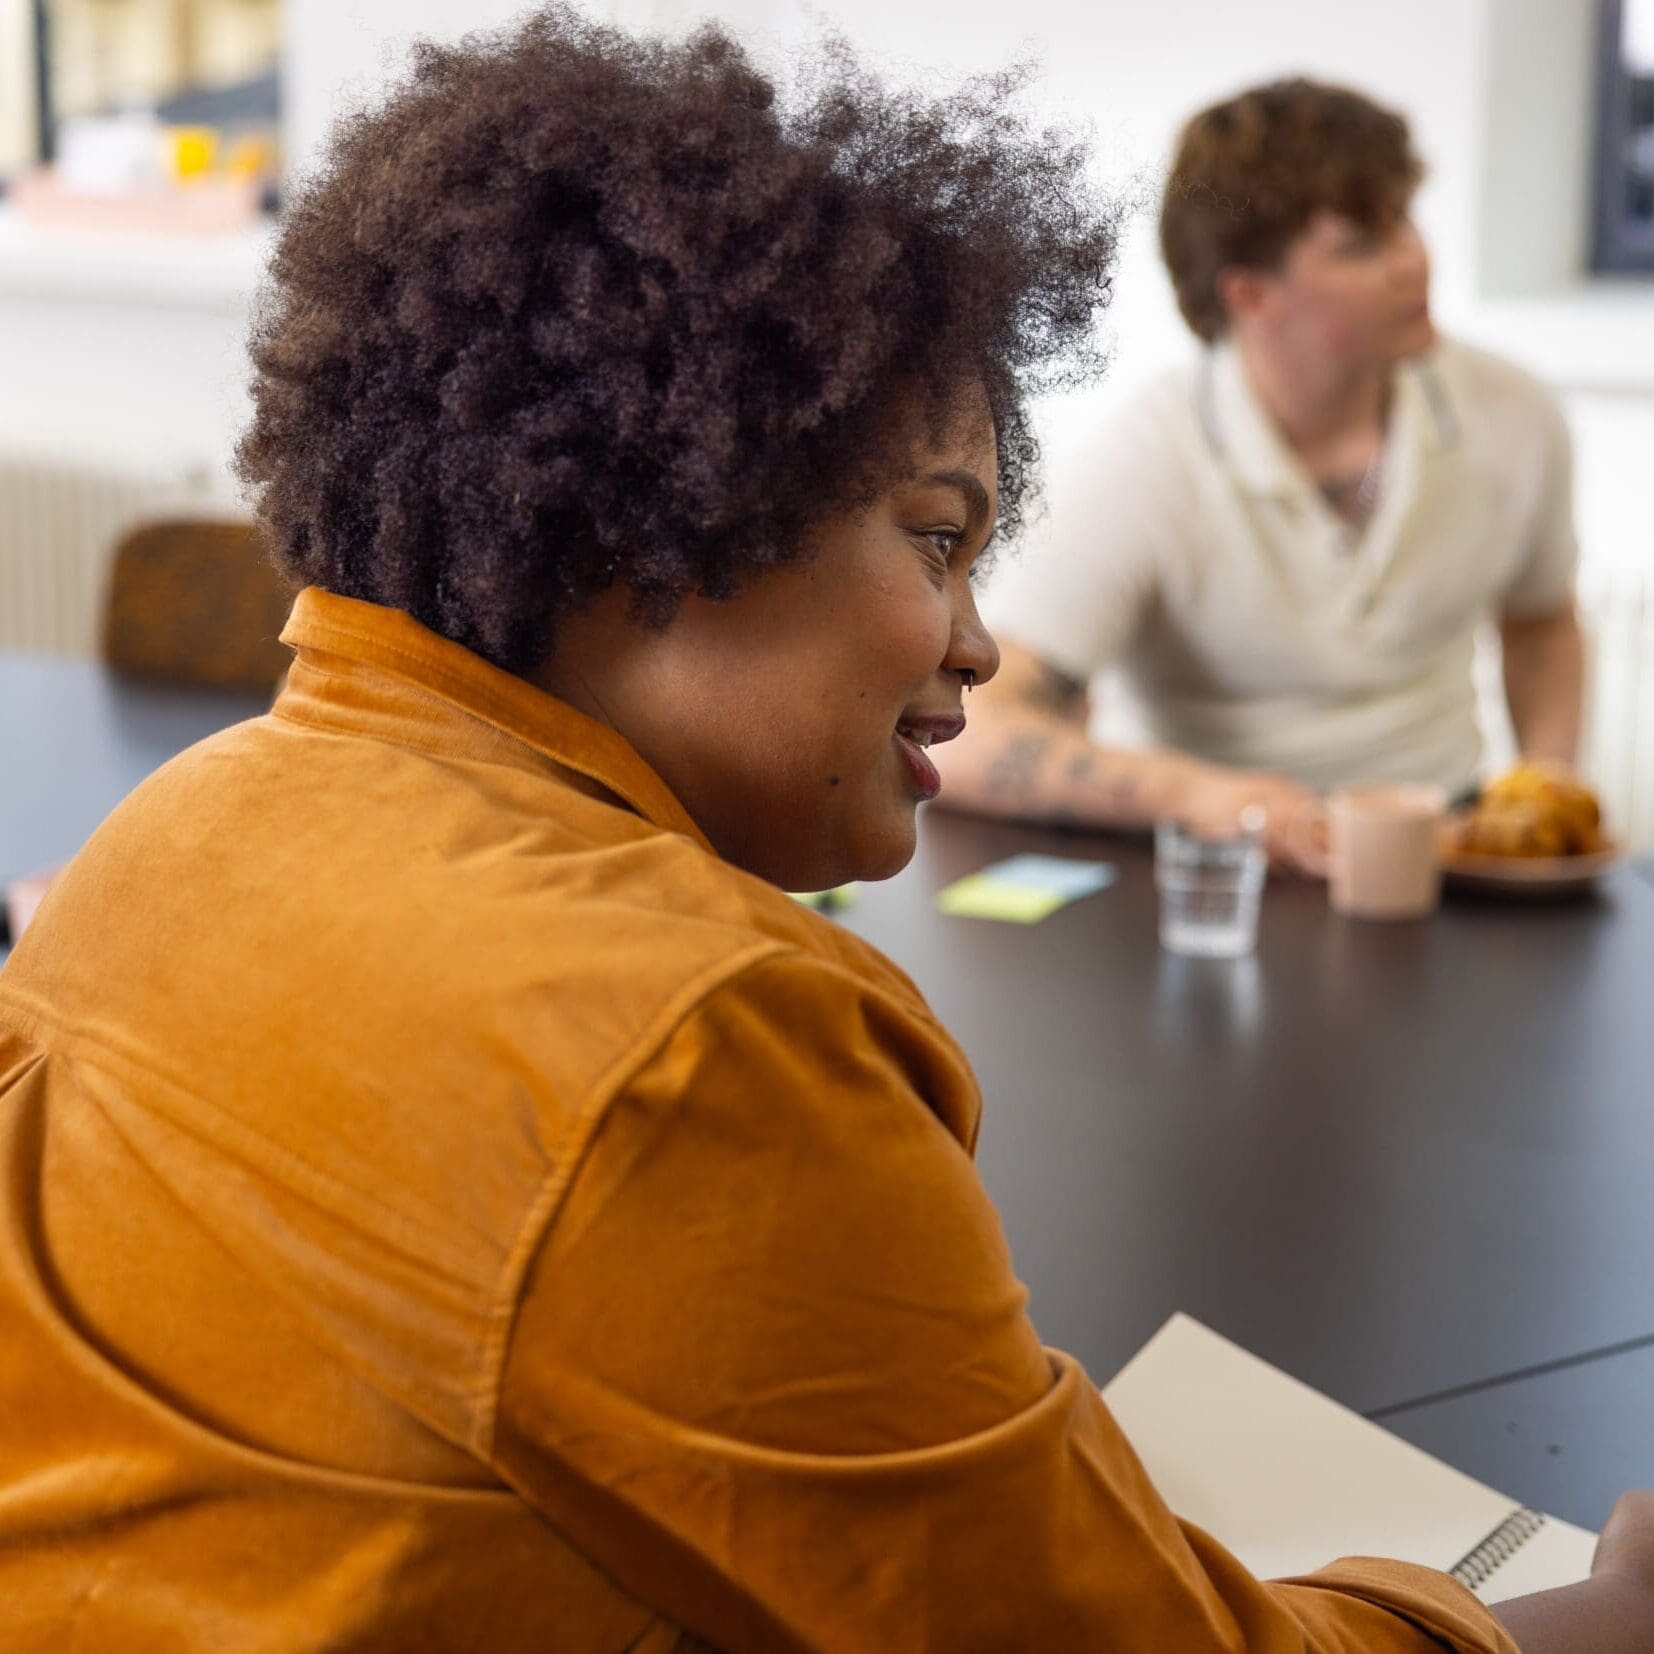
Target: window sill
1592 336
216 272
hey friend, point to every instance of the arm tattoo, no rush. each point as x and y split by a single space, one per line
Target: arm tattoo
1015 765
1118 793
1123 795
1054 691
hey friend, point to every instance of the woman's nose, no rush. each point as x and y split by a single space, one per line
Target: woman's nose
973 649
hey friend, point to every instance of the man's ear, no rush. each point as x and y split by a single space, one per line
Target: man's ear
1242 290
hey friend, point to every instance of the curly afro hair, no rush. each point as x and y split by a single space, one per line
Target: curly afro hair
1252 171
575 307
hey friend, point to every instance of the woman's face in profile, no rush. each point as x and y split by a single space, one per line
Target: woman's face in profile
792 720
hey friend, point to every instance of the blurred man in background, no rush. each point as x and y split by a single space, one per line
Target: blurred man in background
1285 549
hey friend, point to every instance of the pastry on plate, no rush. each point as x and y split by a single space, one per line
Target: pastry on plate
1565 804
1536 831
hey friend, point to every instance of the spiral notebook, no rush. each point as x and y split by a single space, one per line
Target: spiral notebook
1289 1480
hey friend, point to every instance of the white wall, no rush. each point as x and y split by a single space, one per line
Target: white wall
338 52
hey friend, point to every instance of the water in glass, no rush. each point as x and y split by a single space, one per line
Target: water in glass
1210 889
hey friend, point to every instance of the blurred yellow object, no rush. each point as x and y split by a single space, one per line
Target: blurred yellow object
1509 830
252 155
1559 795
1535 809
191 152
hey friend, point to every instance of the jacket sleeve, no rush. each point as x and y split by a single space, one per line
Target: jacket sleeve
773 1373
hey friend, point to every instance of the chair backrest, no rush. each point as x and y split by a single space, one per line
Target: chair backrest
196 603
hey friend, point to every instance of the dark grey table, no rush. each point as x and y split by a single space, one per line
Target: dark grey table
1567 1439
75 739
1397 1160
1412 1164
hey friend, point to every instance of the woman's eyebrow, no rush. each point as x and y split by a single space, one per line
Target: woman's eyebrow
976 496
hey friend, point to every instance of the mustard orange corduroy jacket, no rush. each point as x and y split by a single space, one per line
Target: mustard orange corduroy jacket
447 1207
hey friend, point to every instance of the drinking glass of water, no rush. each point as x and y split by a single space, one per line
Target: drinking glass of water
1210 888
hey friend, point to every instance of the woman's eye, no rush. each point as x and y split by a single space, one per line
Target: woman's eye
939 546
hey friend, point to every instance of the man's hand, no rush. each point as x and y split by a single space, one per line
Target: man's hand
1210 801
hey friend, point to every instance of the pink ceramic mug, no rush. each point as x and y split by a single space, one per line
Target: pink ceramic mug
1381 843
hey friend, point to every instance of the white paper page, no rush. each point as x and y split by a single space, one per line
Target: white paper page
1289 1480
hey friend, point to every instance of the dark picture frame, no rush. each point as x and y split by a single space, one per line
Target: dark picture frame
45 118
1622 242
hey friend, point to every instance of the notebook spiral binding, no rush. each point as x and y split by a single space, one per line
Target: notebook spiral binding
1476 1567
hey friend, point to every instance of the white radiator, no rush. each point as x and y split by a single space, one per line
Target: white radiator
60 520
1617 605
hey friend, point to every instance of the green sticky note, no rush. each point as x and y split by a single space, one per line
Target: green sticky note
981 896
1024 889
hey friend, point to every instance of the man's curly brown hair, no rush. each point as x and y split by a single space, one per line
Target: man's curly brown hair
576 307
1251 172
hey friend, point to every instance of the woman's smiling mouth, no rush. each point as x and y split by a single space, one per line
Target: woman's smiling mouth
914 735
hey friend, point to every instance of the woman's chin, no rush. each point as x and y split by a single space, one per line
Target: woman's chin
890 854
864 862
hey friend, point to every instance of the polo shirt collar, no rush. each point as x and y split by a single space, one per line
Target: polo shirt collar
1251 448
1423 419
411 655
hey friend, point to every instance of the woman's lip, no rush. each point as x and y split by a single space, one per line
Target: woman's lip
939 726
924 773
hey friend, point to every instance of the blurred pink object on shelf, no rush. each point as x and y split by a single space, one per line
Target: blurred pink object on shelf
204 204
23 897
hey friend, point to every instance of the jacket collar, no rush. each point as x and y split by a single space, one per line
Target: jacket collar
416 664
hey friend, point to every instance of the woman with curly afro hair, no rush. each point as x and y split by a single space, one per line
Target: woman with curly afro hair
462 1202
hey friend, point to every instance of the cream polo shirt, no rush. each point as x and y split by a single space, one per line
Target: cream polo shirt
1191 571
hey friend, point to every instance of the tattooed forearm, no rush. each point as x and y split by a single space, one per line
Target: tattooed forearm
1029 776
1028 756
1054 691
1106 783
1122 796
1015 767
